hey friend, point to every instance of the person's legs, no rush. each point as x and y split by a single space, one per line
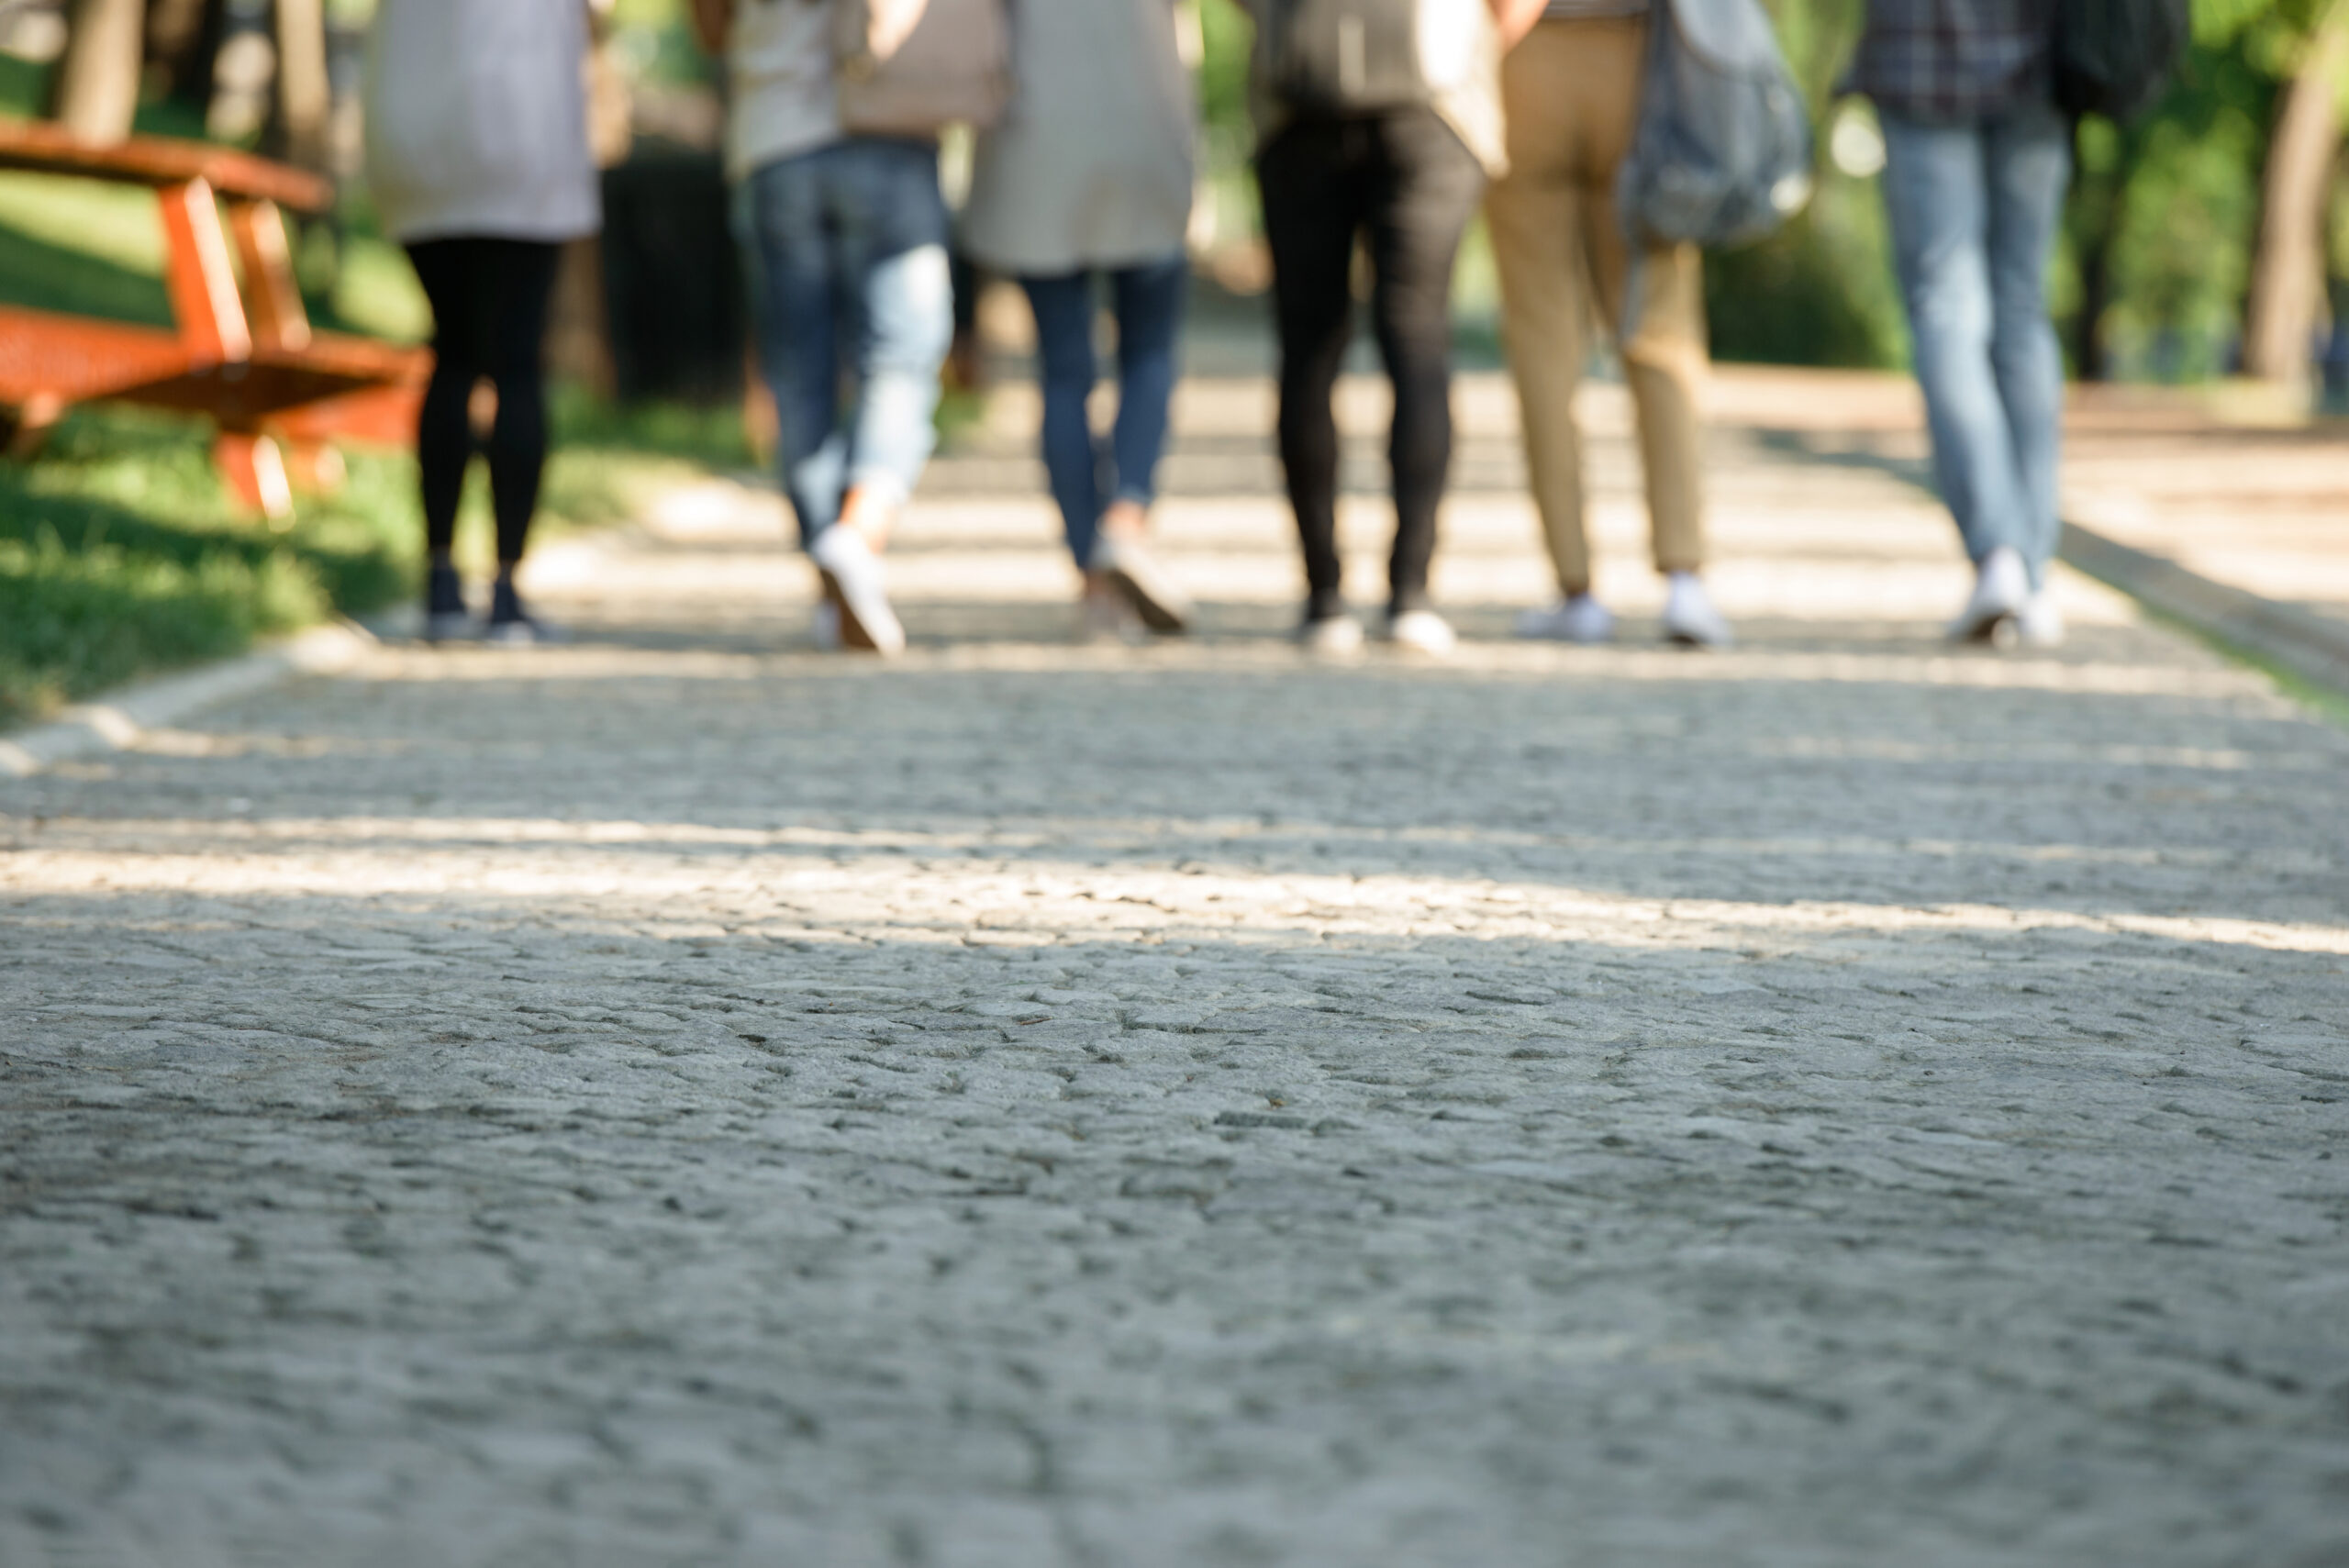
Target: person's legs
1148 300
455 281
522 277
892 244
1934 193
2029 164
1545 295
1311 210
1664 352
1064 308
782 222
1427 185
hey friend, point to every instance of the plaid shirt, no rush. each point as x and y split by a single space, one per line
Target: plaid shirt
1954 60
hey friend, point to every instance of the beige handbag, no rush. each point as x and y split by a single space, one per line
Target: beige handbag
913 67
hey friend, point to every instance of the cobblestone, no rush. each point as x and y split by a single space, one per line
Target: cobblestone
680 1099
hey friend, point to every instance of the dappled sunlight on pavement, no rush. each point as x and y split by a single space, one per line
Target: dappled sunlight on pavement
680 1097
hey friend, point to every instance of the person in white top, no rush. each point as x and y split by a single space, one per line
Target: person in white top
844 239
478 159
1090 174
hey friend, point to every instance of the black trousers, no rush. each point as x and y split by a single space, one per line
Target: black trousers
1406 185
489 321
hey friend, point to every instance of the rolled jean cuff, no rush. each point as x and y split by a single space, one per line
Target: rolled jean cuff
1139 496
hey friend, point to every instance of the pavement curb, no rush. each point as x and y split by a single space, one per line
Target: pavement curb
2308 645
121 717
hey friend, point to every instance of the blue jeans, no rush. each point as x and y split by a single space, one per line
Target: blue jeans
1148 300
1973 209
846 250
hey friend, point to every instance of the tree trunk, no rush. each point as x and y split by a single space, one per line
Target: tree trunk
304 98
178 35
2288 267
97 90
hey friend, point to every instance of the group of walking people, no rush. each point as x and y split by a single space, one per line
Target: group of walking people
1082 191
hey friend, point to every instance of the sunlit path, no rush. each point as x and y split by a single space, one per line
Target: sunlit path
681 1099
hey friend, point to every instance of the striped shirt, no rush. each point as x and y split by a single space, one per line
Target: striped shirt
1954 60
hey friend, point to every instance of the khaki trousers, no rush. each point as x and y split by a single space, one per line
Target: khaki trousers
1571 91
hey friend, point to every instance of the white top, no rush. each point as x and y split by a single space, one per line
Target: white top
478 119
1091 164
779 65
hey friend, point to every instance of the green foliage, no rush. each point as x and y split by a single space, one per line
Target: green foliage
1819 291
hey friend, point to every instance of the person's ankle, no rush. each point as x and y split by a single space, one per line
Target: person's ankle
1125 519
866 514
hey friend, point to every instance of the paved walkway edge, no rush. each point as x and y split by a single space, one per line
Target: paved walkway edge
119 717
2305 644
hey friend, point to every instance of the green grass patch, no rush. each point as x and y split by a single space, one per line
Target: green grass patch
120 553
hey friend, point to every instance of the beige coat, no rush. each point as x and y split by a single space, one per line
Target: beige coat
1091 166
478 119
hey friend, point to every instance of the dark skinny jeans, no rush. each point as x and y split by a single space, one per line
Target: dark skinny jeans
1086 475
1407 184
489 321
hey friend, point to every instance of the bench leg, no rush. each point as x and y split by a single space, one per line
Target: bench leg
24 433
254 470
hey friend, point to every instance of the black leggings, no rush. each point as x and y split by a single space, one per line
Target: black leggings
489 320
1408 186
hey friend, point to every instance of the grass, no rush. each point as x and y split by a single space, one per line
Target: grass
121 554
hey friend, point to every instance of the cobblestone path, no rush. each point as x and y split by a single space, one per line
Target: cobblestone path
679 1099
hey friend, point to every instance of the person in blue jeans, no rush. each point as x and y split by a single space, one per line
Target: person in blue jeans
1089 175
844 239
1976 159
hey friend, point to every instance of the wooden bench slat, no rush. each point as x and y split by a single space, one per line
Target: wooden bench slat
38 147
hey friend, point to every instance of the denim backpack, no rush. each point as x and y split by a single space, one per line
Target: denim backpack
1351 57
2114 57
1722 151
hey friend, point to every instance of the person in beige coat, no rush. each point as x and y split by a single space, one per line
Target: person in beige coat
1087 181
1570 94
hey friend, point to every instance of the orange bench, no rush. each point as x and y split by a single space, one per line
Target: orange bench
244 351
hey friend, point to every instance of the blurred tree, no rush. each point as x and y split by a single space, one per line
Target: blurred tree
97 81
2287 274
298 125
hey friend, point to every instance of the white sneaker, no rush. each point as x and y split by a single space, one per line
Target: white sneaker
865 618
2001 588
1423 632
1332 637
2040 624
1580 619
1689 617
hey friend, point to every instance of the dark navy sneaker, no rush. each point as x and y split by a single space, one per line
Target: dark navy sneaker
444 607
511 626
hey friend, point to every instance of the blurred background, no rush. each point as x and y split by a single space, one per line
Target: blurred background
2206 245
